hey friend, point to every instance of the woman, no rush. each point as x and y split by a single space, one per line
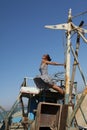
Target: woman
46 60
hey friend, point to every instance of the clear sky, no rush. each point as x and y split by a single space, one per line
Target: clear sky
23 40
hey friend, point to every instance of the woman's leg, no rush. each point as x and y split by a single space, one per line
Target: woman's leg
57 88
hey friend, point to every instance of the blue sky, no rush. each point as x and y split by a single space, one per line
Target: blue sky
23 40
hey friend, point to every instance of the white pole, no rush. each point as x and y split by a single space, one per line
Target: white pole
67 74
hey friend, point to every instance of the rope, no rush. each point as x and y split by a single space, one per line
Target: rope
79 14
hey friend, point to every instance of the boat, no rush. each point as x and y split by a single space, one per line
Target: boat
48 109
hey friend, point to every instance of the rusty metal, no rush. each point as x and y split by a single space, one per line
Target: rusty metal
51 116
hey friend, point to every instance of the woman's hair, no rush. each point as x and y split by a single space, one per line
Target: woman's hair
48 57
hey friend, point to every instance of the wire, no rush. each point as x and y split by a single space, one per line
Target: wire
79 14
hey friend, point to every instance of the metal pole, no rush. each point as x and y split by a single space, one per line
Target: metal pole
67 74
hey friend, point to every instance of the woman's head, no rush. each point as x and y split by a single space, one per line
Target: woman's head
47 57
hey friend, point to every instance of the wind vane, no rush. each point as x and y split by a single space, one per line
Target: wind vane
69 27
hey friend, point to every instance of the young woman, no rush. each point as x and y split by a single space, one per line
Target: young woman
46 60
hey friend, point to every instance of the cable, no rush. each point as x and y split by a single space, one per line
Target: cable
79 14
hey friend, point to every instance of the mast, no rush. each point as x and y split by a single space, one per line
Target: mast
67 73
66 26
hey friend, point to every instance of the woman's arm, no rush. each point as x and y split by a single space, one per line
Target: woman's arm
53 63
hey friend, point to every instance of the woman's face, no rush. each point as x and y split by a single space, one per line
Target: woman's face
44 57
